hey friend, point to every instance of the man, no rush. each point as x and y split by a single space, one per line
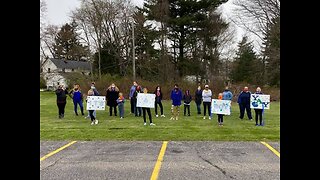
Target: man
132 102
244 103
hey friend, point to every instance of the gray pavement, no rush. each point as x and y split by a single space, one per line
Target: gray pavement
182 160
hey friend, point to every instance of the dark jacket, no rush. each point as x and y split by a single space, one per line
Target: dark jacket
244 98
198 96
112 96
158 98
187 98
61 96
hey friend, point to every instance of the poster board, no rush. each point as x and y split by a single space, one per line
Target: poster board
260 101
146 100
96 102
221 106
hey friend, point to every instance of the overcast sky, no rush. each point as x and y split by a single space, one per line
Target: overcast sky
58 12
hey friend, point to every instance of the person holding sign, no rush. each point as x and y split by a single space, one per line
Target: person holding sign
258 112
144 109
93 118
220 116
120 102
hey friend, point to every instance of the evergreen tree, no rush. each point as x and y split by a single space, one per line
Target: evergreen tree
272 53
247 67
67 45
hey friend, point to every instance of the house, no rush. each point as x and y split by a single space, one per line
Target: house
55 70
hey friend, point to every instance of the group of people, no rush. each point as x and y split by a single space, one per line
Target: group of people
115 99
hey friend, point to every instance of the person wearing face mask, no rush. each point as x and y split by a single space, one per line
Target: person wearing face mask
206 98
244 103
158 100
258 112
187 100
111 97
95 93
77 97
176 97
198 98
61 93
132 100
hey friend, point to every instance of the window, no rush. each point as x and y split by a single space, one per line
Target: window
48 70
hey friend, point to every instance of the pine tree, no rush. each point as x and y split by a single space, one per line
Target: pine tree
67 45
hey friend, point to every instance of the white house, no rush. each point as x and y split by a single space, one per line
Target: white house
54 71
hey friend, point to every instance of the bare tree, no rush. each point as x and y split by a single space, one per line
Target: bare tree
255 15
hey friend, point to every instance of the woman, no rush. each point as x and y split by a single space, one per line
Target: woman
206 98
158 100
77 97
111 97
176 97
198 99
258 112
61 100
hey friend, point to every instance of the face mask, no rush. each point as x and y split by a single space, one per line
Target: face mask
76 89
158 89
92 87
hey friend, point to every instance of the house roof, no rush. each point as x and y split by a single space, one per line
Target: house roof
69 64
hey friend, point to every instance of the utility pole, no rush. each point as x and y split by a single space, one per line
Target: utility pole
133 53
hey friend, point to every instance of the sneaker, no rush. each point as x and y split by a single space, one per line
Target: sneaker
92 122
257 125
151 124
209 117
96 121
121 117
145 124
157 115
163 115
250 119
204 117
177 118
172 118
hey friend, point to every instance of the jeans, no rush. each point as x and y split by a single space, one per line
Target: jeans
198 107
75 103
121 109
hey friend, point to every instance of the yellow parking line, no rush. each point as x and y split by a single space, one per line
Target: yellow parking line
156 169
271 148
56 151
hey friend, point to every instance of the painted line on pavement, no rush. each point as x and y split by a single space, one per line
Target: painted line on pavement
157 167
271 148
57 150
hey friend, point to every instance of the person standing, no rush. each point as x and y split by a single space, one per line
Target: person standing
111 97
187 100
206 98
258 112
92 117
220 116
120 102
137 110
227 95
176 97
77 97
145 109
158 100
198 99
244 103
95 93
132 102
61 93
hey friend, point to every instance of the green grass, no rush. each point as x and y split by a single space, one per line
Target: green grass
192 128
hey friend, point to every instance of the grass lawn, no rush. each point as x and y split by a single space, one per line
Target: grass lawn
187 128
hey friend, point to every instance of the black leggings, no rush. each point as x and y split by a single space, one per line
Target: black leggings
156 107
144 114
61 107
91 115
220 118
207 104
186 107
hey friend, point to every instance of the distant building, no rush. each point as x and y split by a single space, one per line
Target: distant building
55 70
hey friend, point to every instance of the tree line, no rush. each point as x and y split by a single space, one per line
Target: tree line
172 39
